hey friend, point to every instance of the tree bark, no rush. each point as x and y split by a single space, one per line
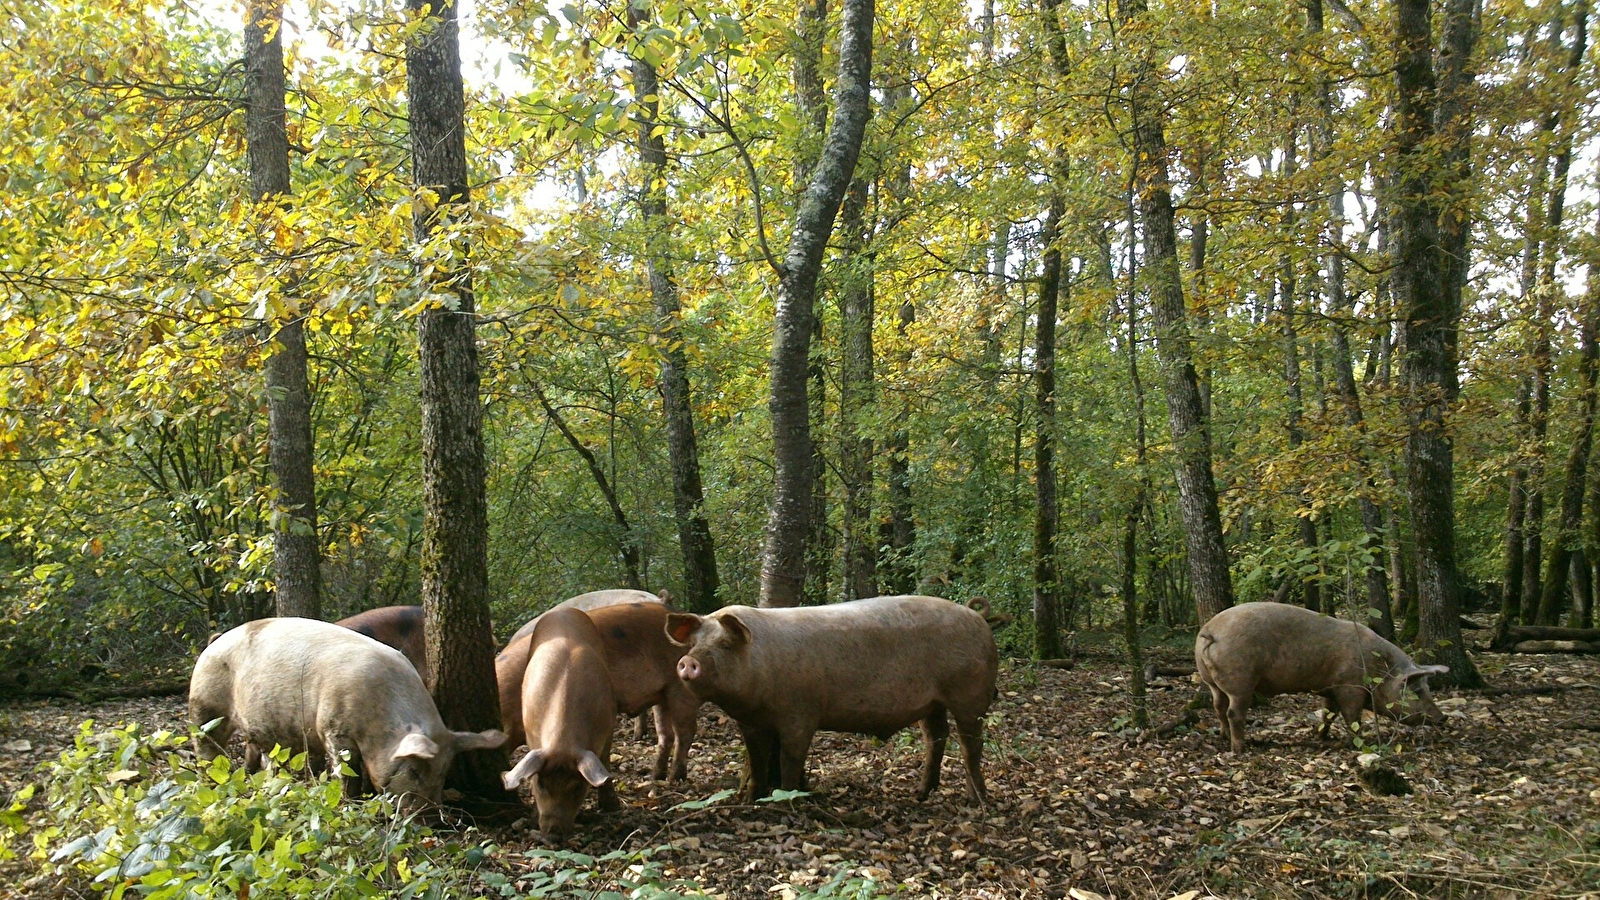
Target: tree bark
783 567
1197 492
1380 617
1553 589
1047 514
296 551
455 526
857 394
701 582
1553 599
1310 588
1429 314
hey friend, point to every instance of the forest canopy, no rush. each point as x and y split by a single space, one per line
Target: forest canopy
143 286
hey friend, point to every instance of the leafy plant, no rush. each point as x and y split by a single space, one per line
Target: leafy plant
127 813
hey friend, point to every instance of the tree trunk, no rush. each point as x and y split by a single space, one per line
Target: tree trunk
783 568
455 526
1310 588
857 395
1197 492
1429 313
1553 590
1379 616
1553 599
694 531
1516 508
1046 514
296 551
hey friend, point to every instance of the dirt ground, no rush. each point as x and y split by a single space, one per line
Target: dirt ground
1505 802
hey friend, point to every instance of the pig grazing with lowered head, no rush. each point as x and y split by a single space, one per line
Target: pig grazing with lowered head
1274 648
316 687
643 665
867 666
399 627
567 714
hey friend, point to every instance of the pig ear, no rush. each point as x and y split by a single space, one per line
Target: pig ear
681 626
526 768
478 740
738 632
416 745
592 769
1425 671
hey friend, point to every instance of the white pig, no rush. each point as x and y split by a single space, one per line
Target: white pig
316 687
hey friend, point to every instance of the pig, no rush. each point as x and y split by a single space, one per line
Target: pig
1274 648
867 666
398 626
598 600
594 600
567 713
644 673
316 687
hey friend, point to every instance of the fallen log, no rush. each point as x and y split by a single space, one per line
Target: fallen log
1531 690
1190 717
1153 669
1517 634
1556 647
1058 663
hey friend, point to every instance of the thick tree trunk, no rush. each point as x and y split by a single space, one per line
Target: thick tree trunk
1197 491
783 566
694 531
296 551
1046 514
455 526
857 394
1429 314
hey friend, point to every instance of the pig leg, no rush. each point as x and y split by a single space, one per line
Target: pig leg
1351 700
760 752
969 731
638 729
337 745
679 714
663 740
794 746
935 731
1330 710
1219 702
252 758
212 744
1236 708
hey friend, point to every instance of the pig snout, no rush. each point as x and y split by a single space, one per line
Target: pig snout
689 668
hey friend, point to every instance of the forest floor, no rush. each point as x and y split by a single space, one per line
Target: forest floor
1506 799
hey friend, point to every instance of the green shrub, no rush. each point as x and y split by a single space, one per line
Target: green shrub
127 815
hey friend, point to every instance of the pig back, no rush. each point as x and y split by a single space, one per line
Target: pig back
566 689
641 660
871 666
400 627
290 681
590 601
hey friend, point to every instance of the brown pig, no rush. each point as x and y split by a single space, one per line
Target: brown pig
594 600
567 714
586 602
643 665
313 686
399 627
868 666
1274 648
